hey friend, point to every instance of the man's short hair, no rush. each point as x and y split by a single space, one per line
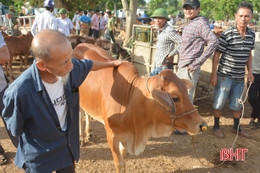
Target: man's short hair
43 52
245 5
85 12
97 11
79 10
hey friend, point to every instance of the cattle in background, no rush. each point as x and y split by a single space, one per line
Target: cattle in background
114 48
18 46
76 40
134 109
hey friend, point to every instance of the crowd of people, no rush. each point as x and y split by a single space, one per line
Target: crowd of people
98 24
47 128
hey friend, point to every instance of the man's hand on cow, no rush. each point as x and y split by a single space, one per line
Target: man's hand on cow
116 63
99 65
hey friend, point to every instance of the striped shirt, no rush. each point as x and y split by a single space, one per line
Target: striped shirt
235 52
196 34
165 45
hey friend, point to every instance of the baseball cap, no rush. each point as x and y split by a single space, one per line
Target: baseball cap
192 3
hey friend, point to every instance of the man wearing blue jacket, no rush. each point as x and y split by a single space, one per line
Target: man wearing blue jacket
42 105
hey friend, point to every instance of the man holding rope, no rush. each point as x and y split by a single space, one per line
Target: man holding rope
235 45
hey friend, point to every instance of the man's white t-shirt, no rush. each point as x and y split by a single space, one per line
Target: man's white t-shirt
58 99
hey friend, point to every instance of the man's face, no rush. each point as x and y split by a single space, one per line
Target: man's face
160 22
190 12
62 16
60 63
243 17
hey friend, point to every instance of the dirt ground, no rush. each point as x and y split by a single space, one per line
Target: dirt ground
165 155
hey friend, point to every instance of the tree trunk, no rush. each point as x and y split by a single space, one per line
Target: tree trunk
130 13
115 10
182 1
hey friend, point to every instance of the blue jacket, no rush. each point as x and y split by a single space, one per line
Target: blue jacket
29 114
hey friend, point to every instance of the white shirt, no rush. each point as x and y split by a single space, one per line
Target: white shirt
65 25
58 100
77 21
102 22
44 21
3 82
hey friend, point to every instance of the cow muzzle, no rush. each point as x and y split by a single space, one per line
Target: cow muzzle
203 126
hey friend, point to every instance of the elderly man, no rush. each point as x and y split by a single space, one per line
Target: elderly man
166 40
235 46
42 105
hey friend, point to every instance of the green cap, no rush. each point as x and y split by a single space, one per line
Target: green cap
63 11
160 12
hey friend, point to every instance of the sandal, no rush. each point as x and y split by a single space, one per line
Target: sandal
3 159
253 125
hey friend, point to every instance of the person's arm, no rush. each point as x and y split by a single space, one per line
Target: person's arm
99 65
34 27
212 43
250 77
12 114
213 78
4 54
176 38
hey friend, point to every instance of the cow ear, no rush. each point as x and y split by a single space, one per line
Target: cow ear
164 99
188 83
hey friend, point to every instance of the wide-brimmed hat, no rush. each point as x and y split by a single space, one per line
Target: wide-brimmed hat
160 12
63 11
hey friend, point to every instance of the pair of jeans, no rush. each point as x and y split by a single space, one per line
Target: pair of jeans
193 77
157 70
228 88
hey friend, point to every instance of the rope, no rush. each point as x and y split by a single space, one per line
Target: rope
241 101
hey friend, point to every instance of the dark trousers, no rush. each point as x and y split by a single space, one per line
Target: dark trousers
13 139
95 33
112 36
254 97
90 32
1 150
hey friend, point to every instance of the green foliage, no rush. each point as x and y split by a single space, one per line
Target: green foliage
7 2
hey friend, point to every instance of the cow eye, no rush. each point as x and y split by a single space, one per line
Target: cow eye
175 99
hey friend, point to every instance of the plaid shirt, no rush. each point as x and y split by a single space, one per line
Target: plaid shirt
165 45
196 34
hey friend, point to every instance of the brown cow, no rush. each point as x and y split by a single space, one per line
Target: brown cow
133 108
114 48
18 46
76 40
